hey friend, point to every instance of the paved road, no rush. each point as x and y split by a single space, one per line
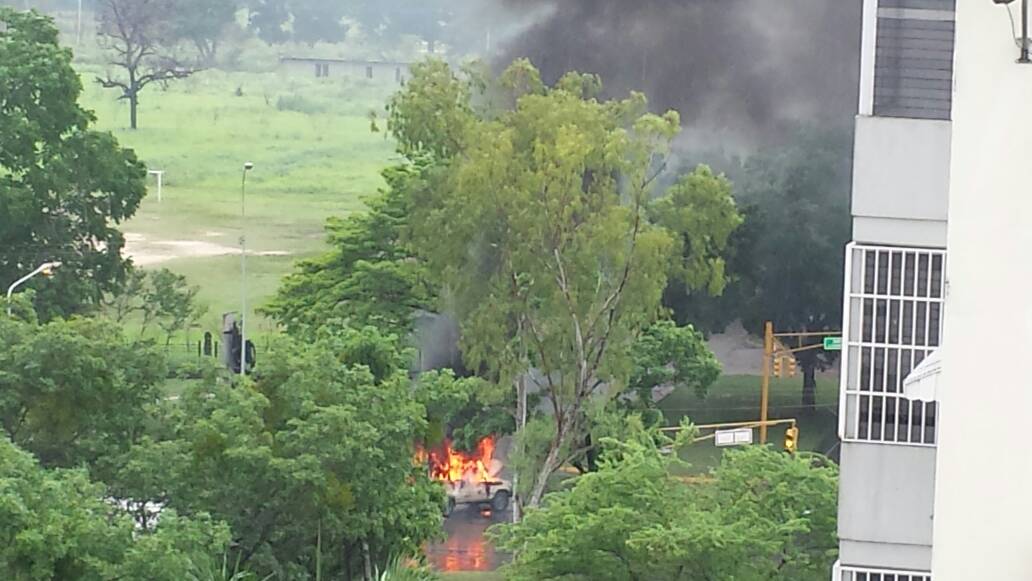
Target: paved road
466 549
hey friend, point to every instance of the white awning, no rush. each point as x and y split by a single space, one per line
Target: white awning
923 382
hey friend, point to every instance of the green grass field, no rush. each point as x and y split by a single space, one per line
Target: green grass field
736 398
314 154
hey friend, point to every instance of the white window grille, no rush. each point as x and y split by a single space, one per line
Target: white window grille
863 574
893 320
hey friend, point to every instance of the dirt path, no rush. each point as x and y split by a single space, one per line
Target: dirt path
146 252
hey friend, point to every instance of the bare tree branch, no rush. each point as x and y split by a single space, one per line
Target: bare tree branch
137 35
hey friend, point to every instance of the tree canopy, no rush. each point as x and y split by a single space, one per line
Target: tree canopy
539 223
55 524
369 277
64 188
797 201
762 514
75 392
785 262
312 21
203 23
157 297
312 464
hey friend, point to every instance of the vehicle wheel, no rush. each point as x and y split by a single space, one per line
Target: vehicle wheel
500 502
449 507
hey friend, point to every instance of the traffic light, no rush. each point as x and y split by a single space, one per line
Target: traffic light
784 366
792 439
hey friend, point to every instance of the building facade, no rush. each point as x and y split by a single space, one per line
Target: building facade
895 289
390 71
942 138
983 496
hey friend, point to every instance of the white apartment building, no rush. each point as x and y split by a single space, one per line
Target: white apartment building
942 139
983 495
895 289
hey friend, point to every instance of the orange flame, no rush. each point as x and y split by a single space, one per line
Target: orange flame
450 465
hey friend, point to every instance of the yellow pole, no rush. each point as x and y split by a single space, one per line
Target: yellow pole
768 347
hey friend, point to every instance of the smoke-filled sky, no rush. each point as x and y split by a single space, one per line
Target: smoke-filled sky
739 69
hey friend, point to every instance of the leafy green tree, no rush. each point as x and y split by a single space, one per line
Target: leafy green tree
159 297
54 524
666 354
536 223
785 262
369 277
203 23
63 187
268 19
797 200
765 516
307 21
74 392
390 19
128 300
317 456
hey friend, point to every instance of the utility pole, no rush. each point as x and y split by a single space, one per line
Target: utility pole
243 269
1024 58
768 348
832 341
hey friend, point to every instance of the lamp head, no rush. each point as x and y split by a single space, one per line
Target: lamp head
248 166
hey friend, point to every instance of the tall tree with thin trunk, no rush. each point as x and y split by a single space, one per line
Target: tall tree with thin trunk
538 221
142 42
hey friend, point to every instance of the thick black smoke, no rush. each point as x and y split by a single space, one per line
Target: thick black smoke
737 70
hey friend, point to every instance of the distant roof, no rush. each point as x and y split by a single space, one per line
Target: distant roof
312 59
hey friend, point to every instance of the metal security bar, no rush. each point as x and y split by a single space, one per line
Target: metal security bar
893 320
863 574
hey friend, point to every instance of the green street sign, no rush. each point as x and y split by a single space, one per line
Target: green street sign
833 343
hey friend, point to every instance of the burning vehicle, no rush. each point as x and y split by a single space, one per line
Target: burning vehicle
470 478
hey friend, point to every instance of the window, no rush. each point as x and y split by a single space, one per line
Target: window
855 574
894 319
913 74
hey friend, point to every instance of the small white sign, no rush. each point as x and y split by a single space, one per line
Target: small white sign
737 437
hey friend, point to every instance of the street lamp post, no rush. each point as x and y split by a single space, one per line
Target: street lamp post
243 268
45 268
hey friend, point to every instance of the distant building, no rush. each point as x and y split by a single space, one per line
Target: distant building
348 68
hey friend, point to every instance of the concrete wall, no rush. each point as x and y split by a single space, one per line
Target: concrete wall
899 232
885 505
983 505
900 172
900 198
